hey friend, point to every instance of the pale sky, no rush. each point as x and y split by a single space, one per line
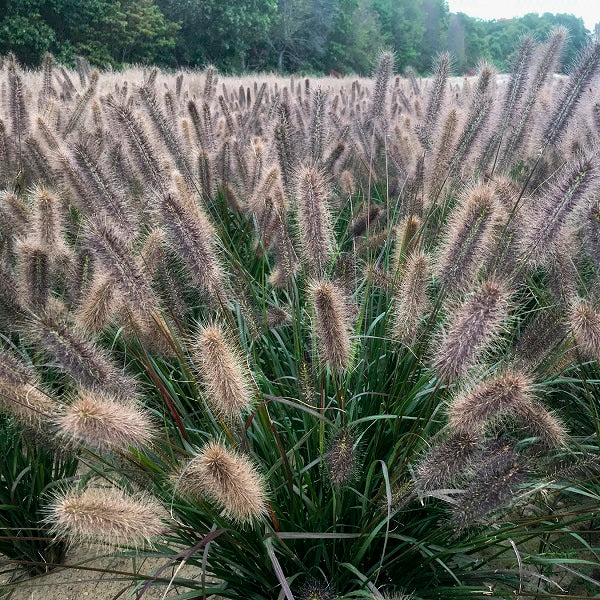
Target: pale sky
588 10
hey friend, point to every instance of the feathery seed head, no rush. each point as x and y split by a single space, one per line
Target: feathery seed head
506 393
228 479
152 253
26 403
34 274
585 324
407 240
382 75
425 129
341 459
579 181
316 235
103 423
446 461
493 485
332 324
411 299
224 373
74 354
47 220
106 515
585 70
541 423
468 239
13 371
114 253
193 237
14 214
472 328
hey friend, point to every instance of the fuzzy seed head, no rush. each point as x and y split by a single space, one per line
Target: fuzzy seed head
34 274
412 301
13 371
314 219
332 324
193 237
468 239
341 459
74 354
98 305
100 422
472 328
228 479
224 373
585 324
426 129
494 484
47 220
29 405
106 515
544 425
446 461
506 393
579 182
407 240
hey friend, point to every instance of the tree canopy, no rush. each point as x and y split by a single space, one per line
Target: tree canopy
341 36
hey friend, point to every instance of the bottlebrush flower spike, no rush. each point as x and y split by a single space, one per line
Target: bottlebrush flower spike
468 240
332 324
579 181
495 482
316 235
426 129
411 299
585 324
193 237
103 423
105 515
472 328
21 395
341 459
224 373
228 479
446 461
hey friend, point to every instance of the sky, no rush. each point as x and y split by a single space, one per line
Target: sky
588 10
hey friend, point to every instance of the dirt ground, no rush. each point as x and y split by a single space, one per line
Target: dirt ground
76 584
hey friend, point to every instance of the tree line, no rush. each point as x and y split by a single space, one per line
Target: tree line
315 36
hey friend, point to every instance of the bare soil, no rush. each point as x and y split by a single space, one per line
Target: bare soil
71 583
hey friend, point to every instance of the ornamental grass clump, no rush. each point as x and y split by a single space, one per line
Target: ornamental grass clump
314 339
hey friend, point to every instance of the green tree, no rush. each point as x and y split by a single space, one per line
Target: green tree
218 31
28 36
402 27
351 45
107 32
436 18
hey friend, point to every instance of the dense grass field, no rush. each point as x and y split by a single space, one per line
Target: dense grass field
312 338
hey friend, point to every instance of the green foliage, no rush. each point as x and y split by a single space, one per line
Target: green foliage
108 33
351 45
218 32
29 473
288 35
